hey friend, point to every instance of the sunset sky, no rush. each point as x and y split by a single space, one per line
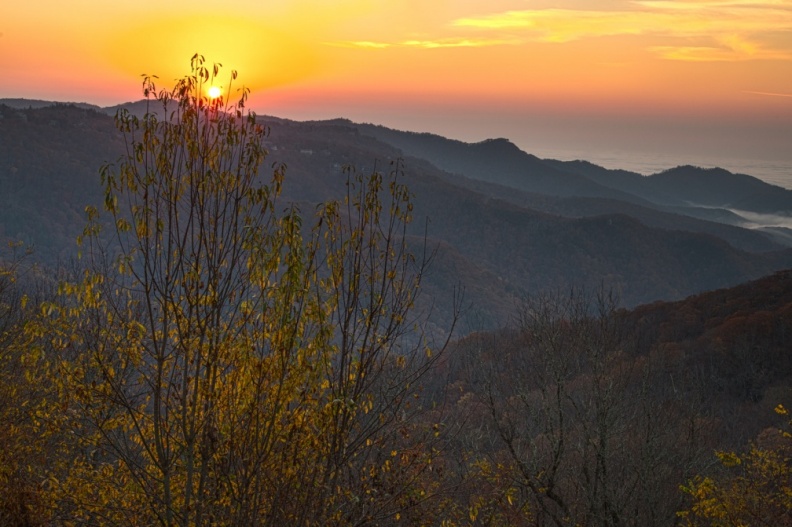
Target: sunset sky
689 78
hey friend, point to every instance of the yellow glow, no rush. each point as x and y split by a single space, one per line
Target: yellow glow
214 92
263 55
616 55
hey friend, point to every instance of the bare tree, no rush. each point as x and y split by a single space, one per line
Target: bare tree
587 436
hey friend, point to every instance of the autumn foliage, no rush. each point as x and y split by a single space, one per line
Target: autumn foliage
218 357
225 363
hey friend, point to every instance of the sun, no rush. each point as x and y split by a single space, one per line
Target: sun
214 92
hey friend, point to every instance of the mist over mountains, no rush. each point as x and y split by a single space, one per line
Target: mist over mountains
503 222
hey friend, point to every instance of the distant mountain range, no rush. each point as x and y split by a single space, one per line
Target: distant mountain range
504 222
500 161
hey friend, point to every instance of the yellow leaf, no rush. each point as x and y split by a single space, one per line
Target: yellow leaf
729 459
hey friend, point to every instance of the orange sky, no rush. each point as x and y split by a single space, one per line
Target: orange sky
591 73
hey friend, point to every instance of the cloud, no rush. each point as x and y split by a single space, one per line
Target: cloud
428 43
359 44
759 220
731 48
458 43
711 30
770 94
710 4
561 25
714 54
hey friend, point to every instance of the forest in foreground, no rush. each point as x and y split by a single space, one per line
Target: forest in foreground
217 357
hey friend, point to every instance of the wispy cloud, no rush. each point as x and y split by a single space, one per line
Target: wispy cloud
770 94
560 25
730 48
710 4
711 30
458 43
758 220
359 44
428 43
714 54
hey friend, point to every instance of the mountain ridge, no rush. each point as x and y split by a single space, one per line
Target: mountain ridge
499 243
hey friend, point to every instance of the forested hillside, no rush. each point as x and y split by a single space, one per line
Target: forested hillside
509 242
587 415
580 413
281 323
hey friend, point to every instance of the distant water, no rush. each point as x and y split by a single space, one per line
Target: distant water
776 173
